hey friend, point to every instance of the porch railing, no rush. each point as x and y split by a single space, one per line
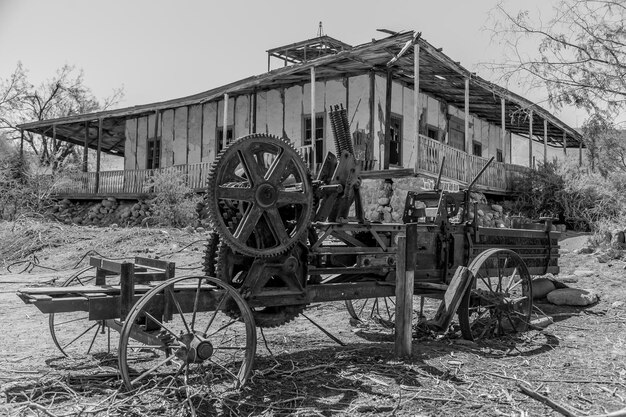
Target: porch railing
128 182
462 167
459 167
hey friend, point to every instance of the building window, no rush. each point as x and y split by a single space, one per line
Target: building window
219 134
432 132
477 148
499 155
456 133
153 153
319 135
395 141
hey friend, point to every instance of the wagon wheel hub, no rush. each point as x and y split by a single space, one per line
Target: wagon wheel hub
204 350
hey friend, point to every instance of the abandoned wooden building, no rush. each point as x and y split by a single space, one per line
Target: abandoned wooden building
409 105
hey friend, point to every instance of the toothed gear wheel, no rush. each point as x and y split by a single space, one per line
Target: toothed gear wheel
263 183
233 268
210 255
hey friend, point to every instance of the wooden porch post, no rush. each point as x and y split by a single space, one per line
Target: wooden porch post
98 155
54 135
387 142
21 143
503 122
545 141
372 105
313 127
154 140
225 121
86 147
417 110
467 136
253 112
564 143
530 141
580 153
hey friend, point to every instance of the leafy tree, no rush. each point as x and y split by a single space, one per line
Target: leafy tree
606 145
65 94
579 55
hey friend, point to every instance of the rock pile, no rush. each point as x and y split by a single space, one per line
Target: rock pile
99 211
103 213
68 212
487 215
382 210
137 214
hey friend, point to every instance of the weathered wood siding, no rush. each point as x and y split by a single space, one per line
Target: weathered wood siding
189 133
194 134
130 145
167 138
180 135
142 139
209 129
241 115
293 114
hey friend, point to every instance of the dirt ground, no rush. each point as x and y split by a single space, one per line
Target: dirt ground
578 362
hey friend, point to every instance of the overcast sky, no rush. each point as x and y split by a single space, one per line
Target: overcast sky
159 50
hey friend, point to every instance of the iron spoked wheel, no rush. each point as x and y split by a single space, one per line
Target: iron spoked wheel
179 336
74 334
263 182
381 310
500 298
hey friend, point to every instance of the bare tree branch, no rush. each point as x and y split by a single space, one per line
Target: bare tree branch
579 55
64 94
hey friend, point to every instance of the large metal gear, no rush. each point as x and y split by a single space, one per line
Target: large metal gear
220 261
264 182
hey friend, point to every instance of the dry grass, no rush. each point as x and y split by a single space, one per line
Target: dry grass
577 362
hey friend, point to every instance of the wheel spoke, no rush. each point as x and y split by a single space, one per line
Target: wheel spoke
248 223
251 166
195 304
80 335
154 368
515 285
217 308
178 308
222 328
276 224
487 284
224 368
235 193
277 169
93 339
71 321
291 197
389 314
163 326
362 307
511 280
374 308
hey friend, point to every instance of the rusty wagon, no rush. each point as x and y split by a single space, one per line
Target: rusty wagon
281 241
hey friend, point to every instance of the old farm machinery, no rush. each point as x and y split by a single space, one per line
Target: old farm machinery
283 240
